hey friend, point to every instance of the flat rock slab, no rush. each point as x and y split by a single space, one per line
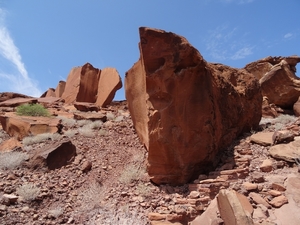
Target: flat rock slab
288 152
262 138
90 116
14 102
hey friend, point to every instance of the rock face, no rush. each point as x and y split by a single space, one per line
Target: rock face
184 109
89 84
278 79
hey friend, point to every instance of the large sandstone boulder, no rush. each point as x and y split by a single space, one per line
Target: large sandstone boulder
22 126
184 109
89 84
278 79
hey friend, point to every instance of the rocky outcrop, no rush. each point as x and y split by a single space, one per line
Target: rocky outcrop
9 95
278 79
14 102
89 84
59 90
184 109
22 126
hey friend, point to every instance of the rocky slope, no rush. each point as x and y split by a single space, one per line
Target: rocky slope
106 182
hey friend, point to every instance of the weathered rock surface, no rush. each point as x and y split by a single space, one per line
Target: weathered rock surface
109 83
288 152
86 107
54 156
10 144
59 90
278 79
89 84
14 102
262 138
22 126
9 95
184 109
232 210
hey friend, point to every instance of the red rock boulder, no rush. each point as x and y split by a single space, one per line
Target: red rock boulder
89 84
184 109
277 78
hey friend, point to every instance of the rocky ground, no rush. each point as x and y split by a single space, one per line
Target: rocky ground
107 183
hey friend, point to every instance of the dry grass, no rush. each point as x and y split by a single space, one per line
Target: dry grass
90 197
56 212
41 138
86 131
11 160
130 174
110 116
28 192
70 133
82 123
67 122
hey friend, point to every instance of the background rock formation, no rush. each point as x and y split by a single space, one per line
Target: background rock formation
277 78
88 84
184 109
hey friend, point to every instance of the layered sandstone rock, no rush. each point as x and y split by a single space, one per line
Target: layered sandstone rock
278 79
59 90
184 109
89 84
22 126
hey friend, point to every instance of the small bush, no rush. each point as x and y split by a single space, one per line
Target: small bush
144 190
70 133
67 122
82 123
28 192
41 138
32 110
131 173
110 116
86 131
10 160
102 132
56 212
91 196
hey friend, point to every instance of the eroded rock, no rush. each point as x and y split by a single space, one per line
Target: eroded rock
184 109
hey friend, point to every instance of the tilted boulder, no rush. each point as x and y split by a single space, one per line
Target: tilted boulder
184 109
53 156
89 84
277 78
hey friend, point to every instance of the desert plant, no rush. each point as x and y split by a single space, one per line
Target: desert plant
41 138
67 122
110 116
86 131
32 110
91 196
10 160
143 190
70 133
82 123
56 212
28 192
102 132
131 173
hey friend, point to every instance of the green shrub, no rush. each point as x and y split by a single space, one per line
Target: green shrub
32 110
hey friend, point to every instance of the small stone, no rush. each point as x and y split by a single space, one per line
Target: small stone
266 166
274 193
277 202
156 216
86 166
25 209
278 187
257 177
194 194
249 186
3 207
9 199
257 199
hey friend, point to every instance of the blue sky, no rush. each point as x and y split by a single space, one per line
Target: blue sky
40 41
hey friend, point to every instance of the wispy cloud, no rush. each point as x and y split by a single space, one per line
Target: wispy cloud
225 43
17 79
288 35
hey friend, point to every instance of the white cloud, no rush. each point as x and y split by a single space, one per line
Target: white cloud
288 35
225 43
242 53
18 81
